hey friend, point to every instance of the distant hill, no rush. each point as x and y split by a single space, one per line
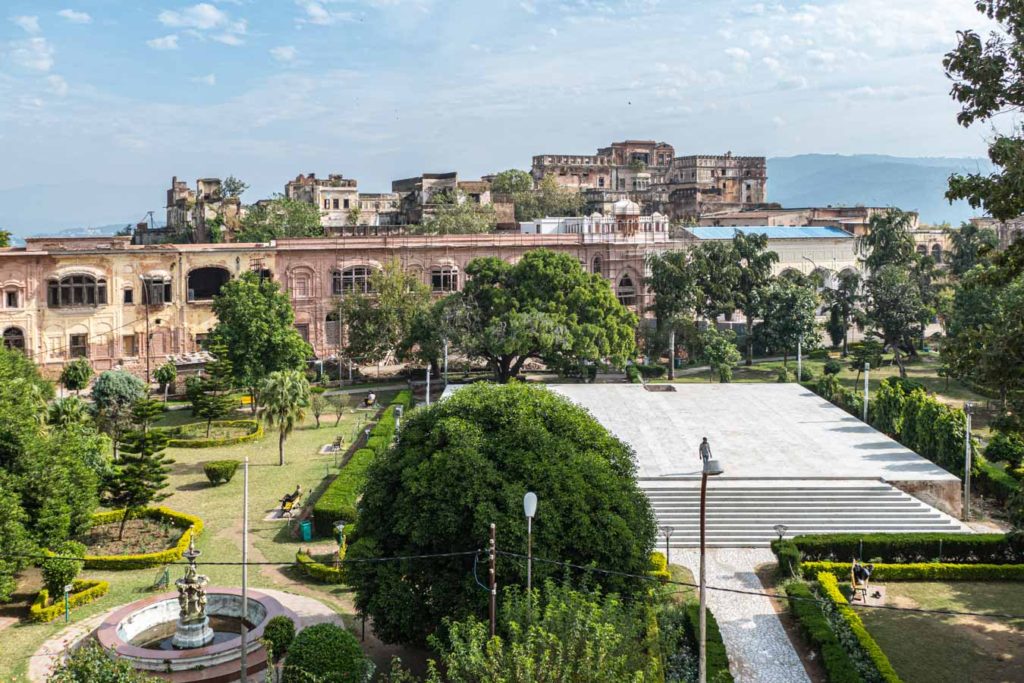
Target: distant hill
911 183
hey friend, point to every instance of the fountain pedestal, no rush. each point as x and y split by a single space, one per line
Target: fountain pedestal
192 634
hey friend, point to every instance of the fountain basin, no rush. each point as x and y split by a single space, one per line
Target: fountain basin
217 662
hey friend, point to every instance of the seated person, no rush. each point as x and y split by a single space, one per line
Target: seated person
370 400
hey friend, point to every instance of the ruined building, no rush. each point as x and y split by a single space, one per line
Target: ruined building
649 173
205 214
341 204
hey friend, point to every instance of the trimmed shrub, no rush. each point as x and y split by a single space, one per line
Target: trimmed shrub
832 367
782 375
338 501
254 432
326 651
805 374
817 631
717 657
324 573
906 548
220 471
659 567
60 569
1006 447
404 399
994 482
869 648
922 571
633 375
279 633
190 523
651 370
83 592
317 389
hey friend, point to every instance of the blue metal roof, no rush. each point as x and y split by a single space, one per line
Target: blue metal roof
777 232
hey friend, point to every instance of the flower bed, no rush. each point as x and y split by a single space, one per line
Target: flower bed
864 642
83 592
190 524
193 435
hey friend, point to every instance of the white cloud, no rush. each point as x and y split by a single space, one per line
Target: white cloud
528 6
778 121
34 53
738 53
27 23
553 31
208 79
203 16
204 21
773 64
75 17
58 86
284 53
166 43
317 13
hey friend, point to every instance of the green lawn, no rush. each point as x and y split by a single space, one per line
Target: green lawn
220 508
948 649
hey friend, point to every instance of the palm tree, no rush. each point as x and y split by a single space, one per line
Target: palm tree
285 397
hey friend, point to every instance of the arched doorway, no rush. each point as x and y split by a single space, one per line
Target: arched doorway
14 338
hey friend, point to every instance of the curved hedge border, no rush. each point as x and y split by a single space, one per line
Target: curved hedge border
84 592
189 523
254 427
922 571
871 649
318 570
818 633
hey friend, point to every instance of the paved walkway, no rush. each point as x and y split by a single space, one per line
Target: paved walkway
759 650
308 610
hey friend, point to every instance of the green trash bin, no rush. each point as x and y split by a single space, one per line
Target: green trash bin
306 528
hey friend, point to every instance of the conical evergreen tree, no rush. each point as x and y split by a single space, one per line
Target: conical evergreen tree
214 400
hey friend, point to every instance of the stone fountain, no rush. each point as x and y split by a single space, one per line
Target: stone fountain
193 628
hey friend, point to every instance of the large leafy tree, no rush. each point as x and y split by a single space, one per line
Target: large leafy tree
139 479
453 213
548 199
718 350
546 307
464 463
895 310
986 75
843 300
285 397
513 181
787 316
76 374
376 324
716 275
431 326
113 395
675 294
14 538
280 217
888 240
255 323
970 246
754 262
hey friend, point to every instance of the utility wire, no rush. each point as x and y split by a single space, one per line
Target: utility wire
251 563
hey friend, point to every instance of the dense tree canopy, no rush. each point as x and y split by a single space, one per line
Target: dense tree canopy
894 309
454 213
546 307
970 245
547 199
280 217
255 322
787 316
888 240
466 462
754 263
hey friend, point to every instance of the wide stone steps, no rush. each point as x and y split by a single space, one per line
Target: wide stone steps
742 516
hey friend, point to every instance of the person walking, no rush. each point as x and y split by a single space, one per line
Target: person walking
705 450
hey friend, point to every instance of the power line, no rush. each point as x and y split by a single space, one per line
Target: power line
251 563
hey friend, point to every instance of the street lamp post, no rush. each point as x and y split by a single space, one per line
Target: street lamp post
529 509
968 411
867 370
667 532
711 468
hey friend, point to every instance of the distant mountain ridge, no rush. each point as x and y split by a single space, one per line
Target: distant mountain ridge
910 183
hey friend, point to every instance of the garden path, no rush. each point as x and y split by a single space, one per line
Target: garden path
759 650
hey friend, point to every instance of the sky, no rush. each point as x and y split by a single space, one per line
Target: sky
102 101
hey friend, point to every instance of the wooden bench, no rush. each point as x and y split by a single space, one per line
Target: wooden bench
289 501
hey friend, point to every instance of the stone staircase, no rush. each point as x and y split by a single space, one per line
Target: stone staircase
742 515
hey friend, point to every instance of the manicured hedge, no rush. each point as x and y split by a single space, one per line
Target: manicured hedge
994 482
220 471
922 571
901 548
84 592
404 399
338 501
189 523
319 571
830 590
659 567
254 431
817 631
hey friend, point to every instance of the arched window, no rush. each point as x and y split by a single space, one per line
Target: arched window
627 291
444 279
355 279
206 283
76 290
14 338
937 253
922 250
597 265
